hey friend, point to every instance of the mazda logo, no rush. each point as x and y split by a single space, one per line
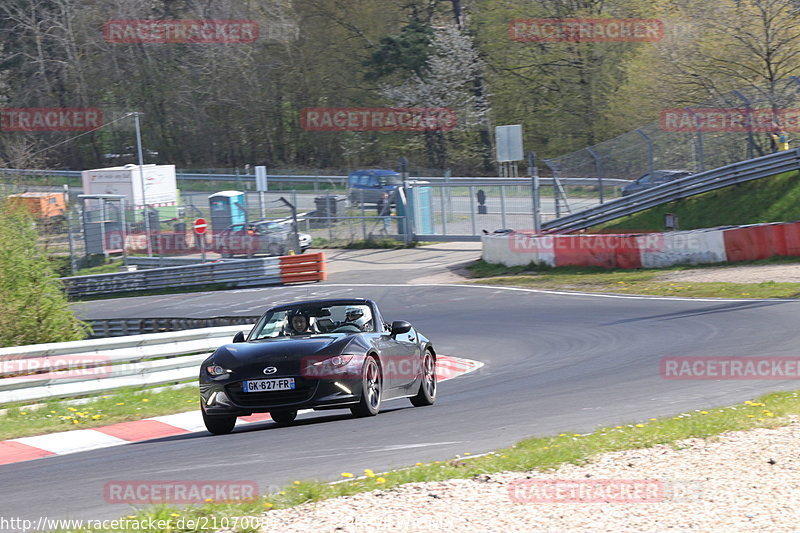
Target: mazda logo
270 370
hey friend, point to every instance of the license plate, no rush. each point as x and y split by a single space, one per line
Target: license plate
266 385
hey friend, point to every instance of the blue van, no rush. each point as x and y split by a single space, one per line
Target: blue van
369 186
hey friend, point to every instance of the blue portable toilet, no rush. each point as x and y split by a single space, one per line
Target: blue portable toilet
420 206
227 208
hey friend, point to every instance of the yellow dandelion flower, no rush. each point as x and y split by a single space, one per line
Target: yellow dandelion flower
23 413
120 403
654 419
76 421
71 409
576 434
639 425
347 474
703 412
380 480
209 500
268 505
96 417
53 412
296 482
467 453
175 515
368 472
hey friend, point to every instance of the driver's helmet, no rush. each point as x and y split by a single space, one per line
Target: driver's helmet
352 314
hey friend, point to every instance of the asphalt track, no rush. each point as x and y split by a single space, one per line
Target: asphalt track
553 363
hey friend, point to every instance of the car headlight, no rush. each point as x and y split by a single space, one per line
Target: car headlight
336 361
216 370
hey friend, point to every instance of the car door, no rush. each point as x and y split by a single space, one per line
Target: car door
409 358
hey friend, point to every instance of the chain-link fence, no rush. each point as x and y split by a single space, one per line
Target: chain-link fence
733 127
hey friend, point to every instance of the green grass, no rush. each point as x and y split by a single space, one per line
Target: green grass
643 281
773 199
379 243
122 406
538 453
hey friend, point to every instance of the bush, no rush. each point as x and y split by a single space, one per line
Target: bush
33 306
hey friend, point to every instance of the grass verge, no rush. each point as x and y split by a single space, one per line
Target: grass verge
122 406
540 453
644 281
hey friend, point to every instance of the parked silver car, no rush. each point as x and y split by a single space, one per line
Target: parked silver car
648 181
261 237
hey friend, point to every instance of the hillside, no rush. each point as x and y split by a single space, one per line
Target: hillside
773 199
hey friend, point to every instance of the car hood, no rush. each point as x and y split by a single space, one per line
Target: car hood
280 349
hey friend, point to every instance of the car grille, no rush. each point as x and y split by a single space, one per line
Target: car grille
304 391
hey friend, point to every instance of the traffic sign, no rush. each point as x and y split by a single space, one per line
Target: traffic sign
200 226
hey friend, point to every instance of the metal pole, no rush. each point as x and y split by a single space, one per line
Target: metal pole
650 153
750 142
534 174
598 168
444 212
700 154
141 179
124 226
503 207
472 209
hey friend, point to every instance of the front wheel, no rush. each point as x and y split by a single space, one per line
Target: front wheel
283 418
371 385
219 425
427 388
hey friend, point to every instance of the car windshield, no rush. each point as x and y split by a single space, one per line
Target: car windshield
306 320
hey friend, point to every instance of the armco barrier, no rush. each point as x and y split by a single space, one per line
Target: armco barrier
245 273
78 368
714 245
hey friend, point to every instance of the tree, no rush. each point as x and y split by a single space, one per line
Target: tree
447 80
33 307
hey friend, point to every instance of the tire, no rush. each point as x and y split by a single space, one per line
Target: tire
428 386
283 418
220 424
371 388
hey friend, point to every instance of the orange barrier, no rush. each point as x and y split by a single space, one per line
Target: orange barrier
303 268
603 250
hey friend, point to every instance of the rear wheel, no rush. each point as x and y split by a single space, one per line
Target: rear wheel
427 389
371 385
283 418
220 424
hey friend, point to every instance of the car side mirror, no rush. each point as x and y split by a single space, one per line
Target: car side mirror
239 337
400 326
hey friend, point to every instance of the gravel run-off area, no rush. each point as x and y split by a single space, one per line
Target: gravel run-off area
746 482
738 274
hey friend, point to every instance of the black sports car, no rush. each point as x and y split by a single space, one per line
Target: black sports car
319 354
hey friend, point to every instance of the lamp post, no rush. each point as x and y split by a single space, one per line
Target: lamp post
135 115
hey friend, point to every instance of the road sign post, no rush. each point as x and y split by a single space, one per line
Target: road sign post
200 226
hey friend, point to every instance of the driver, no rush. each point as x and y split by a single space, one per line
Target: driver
355 316
301 325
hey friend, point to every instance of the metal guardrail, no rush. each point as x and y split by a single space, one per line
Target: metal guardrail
80 368
118 327
752 169
248 272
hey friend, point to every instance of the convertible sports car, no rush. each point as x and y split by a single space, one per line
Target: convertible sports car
319 354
